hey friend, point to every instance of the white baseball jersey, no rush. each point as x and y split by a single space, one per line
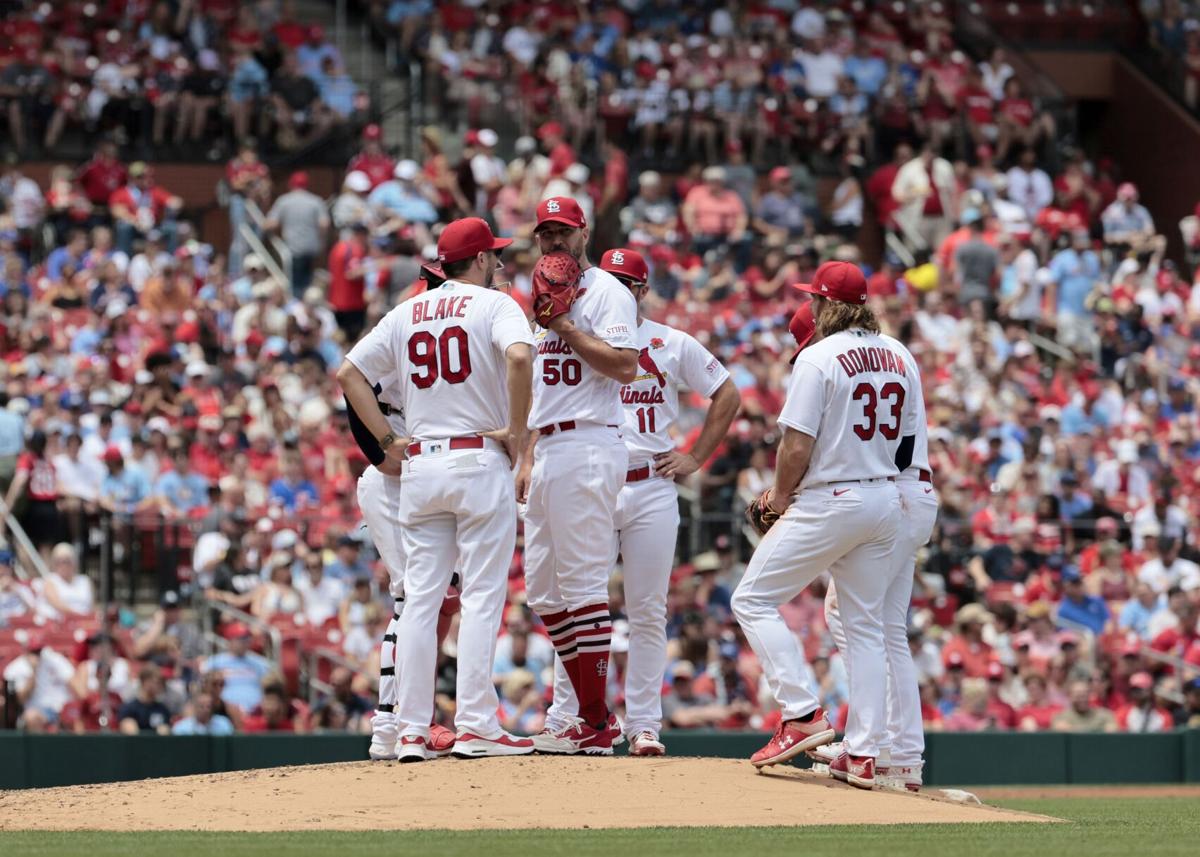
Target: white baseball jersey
920 455
447 347
565 387
852 392
667 359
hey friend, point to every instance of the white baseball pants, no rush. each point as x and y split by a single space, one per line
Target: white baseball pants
569 546
379 503
848 528
647 523
905 736
455 506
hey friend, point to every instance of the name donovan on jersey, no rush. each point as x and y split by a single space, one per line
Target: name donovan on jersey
454 306
871 359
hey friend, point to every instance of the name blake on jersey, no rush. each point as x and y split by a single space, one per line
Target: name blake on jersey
872 359
454 306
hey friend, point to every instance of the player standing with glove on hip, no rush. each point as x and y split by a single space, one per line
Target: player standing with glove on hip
464 355
587 350
844 421
647 513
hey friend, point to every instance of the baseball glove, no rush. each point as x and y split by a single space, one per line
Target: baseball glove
555 284
760 515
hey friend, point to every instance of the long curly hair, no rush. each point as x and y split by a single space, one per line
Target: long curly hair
837 316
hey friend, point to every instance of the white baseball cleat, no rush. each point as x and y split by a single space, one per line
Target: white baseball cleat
468 745
646 744
825 755
577 739
413 748
900 778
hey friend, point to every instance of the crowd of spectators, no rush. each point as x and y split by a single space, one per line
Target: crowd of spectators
177 79
152 381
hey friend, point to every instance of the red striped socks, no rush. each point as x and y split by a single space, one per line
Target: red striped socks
593 636
561 628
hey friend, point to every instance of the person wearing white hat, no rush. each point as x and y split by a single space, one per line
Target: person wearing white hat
1121 479
351 207
488 170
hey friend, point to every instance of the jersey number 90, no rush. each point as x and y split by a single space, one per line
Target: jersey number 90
436 357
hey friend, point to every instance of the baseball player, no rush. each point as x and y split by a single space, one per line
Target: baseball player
379 502
899 763
578 462
846 417
463 356
647 512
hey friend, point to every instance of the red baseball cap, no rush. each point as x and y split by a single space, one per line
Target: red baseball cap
837 281
467 236
802 326
112 454
780 174
625 263
298 180
372 132
560 209
550 129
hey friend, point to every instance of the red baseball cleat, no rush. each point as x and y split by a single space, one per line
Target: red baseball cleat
856 770
792 738
578 738
441 740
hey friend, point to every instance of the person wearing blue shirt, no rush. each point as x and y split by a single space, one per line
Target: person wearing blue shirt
401 197
242 669
1078 609
70 255
313 55
12 441
1135 615
867 71
125 490
178 490
203 721
291 489
338 90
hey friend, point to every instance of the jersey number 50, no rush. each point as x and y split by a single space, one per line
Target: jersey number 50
433 356
566 371
870 398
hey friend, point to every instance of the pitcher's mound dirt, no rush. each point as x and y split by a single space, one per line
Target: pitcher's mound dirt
525 792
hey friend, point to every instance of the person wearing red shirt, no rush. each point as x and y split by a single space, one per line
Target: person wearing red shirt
979 110
37 479
879 186
1019 123
1000 711
1039 710
968 644
142 206
373 160
273 714
885 282
347 282
557 148
103 175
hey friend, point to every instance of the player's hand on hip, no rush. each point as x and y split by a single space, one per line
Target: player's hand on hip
512 439
675 463
396 454
391 467
776 503
524 477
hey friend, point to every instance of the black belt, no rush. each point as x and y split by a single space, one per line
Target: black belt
387 410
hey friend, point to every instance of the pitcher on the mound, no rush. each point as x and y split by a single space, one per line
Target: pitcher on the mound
835 506
647 515
587 350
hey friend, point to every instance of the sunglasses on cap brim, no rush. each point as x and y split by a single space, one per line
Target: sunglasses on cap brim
630 281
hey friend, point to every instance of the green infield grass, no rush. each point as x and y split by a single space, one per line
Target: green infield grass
1095 827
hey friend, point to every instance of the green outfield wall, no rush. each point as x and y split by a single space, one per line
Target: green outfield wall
38 761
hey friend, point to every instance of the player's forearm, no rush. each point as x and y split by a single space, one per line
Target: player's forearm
519 360
620 364
362 398
725 404
795 451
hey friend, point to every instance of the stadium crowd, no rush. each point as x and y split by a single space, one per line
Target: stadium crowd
155 382
173 78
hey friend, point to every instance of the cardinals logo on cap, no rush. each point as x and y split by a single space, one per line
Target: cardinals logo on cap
618 258
553 207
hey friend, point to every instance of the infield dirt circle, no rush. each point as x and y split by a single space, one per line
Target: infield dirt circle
525 792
